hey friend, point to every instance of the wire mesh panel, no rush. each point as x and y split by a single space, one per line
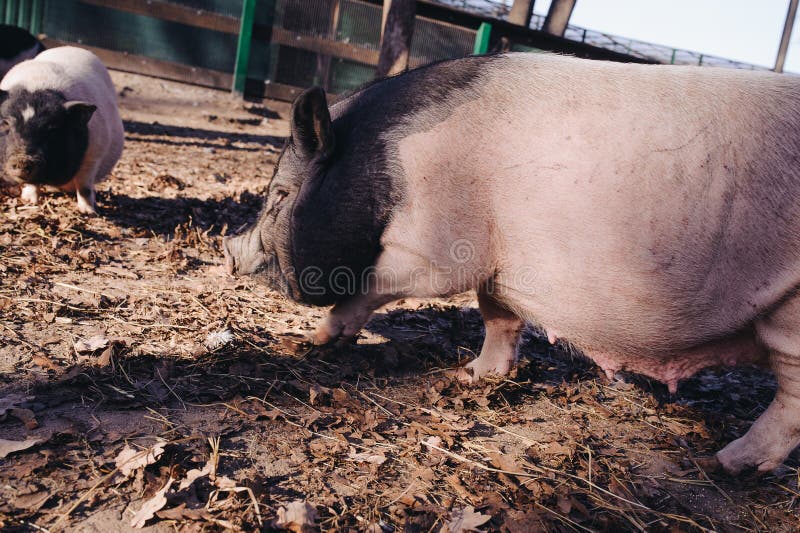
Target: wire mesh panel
335 43
434 41
118 30
500 9
360 23
26 14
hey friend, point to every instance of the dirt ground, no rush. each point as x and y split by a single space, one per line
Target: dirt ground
141 386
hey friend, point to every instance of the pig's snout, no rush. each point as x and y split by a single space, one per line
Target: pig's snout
244 254
22 167
230 261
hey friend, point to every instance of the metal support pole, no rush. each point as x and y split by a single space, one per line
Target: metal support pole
787 34
243 46
482 39
24 14
11 11
37 16
387 5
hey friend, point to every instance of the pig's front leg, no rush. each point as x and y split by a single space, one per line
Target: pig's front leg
83 185
398 273
499 351
30 194
86 200
346 318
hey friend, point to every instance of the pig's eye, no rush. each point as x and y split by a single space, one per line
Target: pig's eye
5 125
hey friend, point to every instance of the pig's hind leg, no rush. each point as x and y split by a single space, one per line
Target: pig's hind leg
499 351
774 435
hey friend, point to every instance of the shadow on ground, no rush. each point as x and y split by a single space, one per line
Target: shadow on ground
160 216
264 382
202 138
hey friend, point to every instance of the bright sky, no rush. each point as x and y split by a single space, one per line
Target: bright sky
743 30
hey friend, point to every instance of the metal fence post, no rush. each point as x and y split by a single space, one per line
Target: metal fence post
23 14
37 16
482 39
11 12
243 46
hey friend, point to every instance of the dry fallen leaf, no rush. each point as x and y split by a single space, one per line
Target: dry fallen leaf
194 474
10 446
12 401
44 362
298 516
26 416
31 501
152 505
91 344
182 513
367 457
465 519
224 482
129 459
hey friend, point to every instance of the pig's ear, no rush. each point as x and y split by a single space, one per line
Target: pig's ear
82 111
312 131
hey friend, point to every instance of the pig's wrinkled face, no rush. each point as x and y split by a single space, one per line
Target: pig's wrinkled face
44 136
265 249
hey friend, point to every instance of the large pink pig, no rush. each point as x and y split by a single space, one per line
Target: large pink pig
648 215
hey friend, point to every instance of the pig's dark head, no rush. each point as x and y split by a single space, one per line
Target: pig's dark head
329 200
266 249
339 180
45 136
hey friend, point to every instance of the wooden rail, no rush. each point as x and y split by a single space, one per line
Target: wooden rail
169 70
157 68
173 13
325 46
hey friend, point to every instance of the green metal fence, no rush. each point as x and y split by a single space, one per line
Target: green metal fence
23 13
268 47
271 43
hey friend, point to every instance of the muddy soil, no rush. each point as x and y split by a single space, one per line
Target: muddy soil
141 386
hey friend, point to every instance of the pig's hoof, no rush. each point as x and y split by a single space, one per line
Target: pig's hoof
29 194
464 375
741 456
709 464
230 264
476 369
329 333
323 335
87 209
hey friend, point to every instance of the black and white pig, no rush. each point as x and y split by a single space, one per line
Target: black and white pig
648 215
16 45
60 124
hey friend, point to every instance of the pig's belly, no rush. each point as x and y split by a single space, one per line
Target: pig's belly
656 345
670 367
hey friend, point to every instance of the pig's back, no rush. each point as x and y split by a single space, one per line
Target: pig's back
628 206
658 204
79 75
